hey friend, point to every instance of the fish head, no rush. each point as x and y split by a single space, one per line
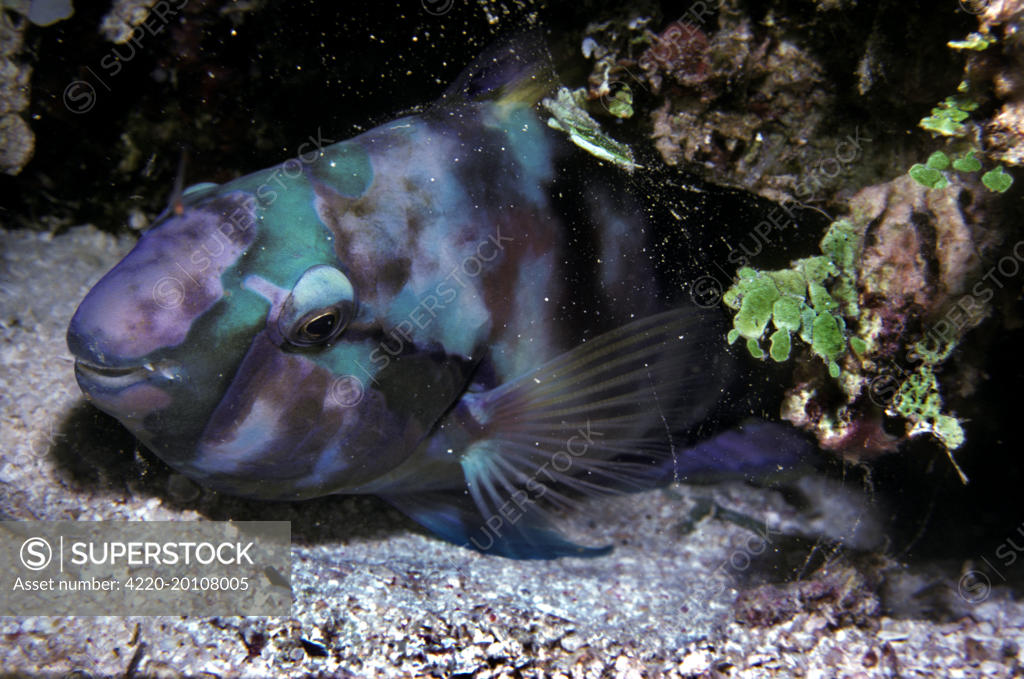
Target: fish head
232 342
134 336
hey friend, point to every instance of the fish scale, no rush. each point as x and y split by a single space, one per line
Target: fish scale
425 312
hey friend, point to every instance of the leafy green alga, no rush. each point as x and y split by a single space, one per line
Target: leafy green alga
808 299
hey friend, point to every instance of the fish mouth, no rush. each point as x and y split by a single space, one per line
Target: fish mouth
115 378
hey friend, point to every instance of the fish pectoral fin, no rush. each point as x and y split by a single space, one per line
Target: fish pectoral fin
606 417
515 532
607 414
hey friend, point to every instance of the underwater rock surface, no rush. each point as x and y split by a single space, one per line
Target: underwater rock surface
16 139
376 595
690 590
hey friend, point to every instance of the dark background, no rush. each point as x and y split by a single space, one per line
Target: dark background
242 90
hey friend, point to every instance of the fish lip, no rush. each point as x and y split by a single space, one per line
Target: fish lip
114 378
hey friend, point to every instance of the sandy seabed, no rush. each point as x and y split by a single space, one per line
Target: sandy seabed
375 595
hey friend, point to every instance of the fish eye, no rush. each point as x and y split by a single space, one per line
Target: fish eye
320 306
320 327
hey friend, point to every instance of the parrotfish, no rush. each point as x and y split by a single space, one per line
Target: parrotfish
424 312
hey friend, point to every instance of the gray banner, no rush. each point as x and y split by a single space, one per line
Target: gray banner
145 568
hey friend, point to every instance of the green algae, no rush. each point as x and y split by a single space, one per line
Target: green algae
569 116
809 299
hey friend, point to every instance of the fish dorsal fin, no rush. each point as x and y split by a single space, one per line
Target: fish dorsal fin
516 70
